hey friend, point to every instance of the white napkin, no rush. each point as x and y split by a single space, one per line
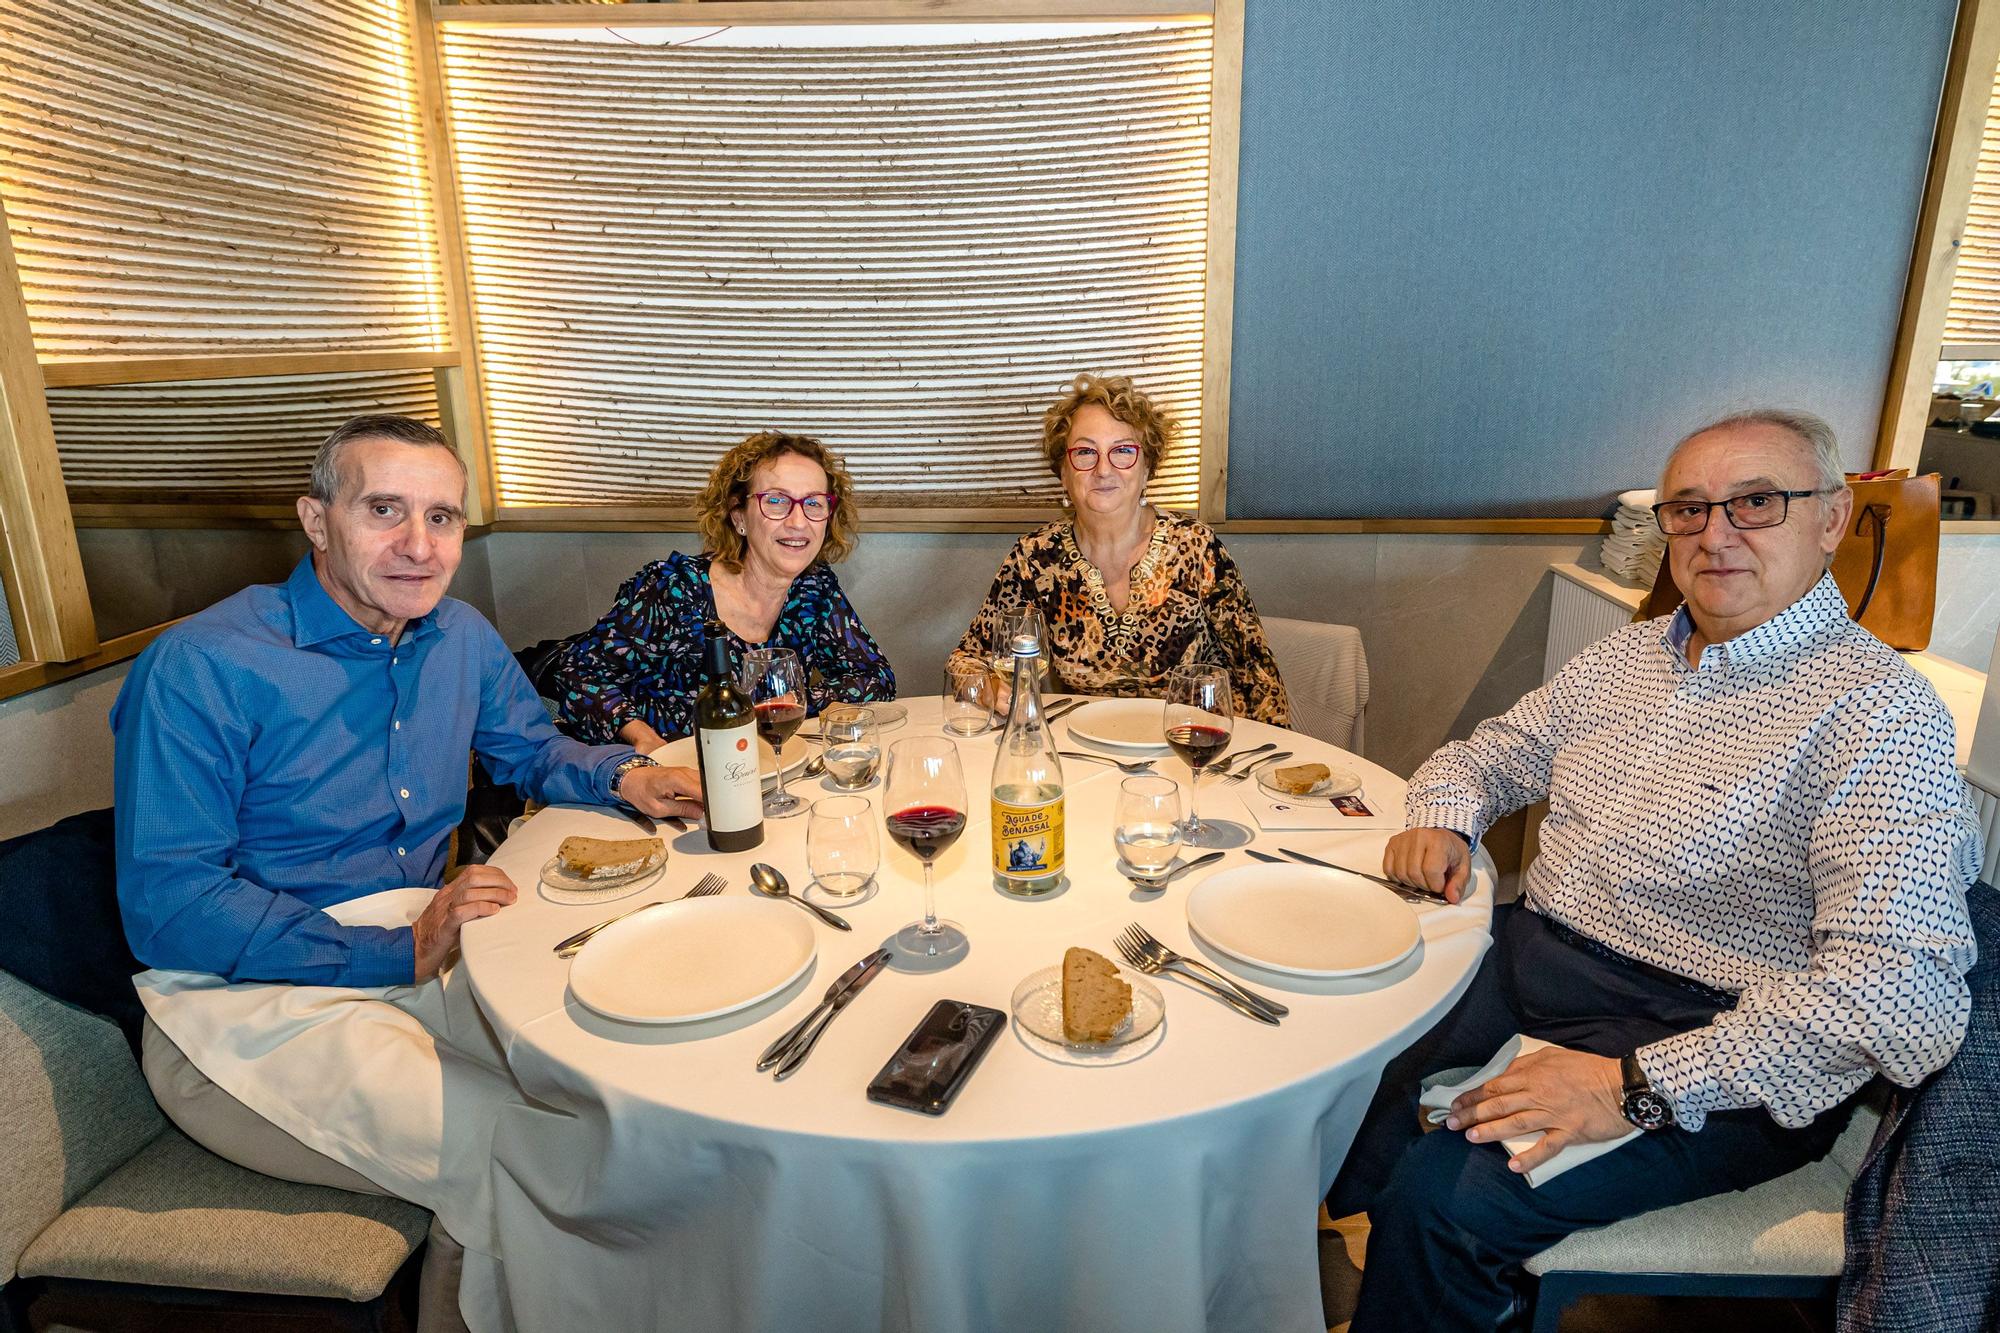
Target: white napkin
1437 1102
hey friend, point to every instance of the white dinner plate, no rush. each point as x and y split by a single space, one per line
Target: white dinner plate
1133 725
1303 920
797 751
692 959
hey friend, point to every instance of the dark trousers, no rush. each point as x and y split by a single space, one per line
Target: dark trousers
1447 1218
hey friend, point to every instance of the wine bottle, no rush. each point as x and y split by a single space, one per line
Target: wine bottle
725 730
1027 788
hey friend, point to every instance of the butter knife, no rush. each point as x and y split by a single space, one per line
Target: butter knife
800 1049
776 1050
1410 891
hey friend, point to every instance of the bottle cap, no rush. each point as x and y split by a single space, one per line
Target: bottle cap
1025 645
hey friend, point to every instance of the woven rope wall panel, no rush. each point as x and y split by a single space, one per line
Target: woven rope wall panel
250 439
907 251
216 176
1974 313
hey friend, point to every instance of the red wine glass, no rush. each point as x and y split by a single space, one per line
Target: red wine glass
1200 714
776 684
924 803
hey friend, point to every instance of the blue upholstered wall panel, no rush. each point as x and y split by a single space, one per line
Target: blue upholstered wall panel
1493 254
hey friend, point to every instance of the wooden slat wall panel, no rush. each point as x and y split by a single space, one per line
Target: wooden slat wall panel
217 440
216 177
1974 316
10 648
905 251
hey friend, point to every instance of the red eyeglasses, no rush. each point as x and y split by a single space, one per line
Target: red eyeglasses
1084 457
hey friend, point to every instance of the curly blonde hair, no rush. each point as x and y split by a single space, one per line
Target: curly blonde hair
728 490
1125 401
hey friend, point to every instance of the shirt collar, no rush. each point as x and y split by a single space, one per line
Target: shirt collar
317 618
1822 605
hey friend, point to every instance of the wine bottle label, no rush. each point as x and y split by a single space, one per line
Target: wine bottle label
732 787
1027 839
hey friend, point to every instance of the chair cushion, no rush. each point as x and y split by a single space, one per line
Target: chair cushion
60 928
176 1215
1788 1227
73 1108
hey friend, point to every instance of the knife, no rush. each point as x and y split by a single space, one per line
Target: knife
776 1050
1405 890
800 1049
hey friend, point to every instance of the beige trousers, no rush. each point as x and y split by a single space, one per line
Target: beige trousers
231 1130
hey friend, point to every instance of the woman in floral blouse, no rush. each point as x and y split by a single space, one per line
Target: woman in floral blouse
1128 592
776 511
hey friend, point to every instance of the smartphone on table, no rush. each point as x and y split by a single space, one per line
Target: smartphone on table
937 1057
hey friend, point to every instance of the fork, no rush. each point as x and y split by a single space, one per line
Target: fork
1153 945
704 887
1248 769
1142 959
1139 766
1228 761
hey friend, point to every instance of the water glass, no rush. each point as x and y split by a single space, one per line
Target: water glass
968 699
853 751
841 850
1148 827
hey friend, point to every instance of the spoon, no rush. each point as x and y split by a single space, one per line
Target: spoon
768 880
815 766
1156 881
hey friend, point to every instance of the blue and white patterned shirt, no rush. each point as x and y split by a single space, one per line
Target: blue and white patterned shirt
1783 822
274 758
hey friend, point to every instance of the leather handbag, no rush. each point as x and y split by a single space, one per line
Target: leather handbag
1886 563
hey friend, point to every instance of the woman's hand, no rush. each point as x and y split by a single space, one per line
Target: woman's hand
641 737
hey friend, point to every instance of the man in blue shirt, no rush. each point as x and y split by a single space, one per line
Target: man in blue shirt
301 744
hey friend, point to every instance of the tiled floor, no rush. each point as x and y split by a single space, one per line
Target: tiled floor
1343 1246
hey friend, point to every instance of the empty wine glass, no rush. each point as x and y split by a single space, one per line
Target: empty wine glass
1200 713
776 684
924 804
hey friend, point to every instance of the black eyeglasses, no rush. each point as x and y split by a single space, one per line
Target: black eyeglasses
777 506
1084 457
1759 509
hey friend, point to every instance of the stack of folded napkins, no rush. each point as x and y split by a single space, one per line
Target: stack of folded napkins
1633 549
1437 1102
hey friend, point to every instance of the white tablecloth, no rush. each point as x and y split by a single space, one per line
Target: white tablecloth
656 1180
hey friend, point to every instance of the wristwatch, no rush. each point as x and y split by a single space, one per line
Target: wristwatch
626 766
1643 1106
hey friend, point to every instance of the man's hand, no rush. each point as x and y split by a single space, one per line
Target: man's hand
476 891
661 792
1430 858
1573 1095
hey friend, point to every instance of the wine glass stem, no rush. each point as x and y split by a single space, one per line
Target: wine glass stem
781 779
930 903
1194 802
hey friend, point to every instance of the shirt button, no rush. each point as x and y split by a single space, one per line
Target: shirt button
394 660
406 793
374 641
399 724
401 852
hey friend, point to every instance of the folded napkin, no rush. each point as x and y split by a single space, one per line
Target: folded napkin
1437 1103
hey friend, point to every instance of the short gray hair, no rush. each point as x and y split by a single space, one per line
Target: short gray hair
1811 431
326 475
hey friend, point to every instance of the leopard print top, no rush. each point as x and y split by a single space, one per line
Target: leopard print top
1187 604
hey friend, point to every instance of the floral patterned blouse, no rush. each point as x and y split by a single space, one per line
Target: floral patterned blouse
1187 604
643 660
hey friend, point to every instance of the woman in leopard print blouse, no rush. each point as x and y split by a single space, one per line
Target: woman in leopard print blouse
1129 592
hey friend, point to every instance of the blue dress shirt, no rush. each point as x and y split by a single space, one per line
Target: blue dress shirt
274 758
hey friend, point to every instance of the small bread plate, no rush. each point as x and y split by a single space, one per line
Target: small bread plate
1038 1012
797 751
1124 726
1303 920
888 714
559 886
1338 782
693 959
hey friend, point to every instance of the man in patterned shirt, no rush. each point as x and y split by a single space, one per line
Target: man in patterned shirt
1750 898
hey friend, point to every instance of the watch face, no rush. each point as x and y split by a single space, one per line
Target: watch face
1647 1109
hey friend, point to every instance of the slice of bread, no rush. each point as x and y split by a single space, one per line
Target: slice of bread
1095 1000
1299 779
602 858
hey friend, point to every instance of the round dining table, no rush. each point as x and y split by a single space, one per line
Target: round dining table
653 1178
